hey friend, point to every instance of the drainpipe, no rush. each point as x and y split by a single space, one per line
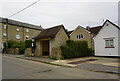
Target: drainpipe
7 35
23 34
91 41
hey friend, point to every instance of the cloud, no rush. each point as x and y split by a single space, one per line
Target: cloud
71 14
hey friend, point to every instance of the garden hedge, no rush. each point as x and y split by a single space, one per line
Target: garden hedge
73 49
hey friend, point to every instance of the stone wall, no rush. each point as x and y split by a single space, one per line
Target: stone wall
55 43
56 52
28 52
13 51
38 50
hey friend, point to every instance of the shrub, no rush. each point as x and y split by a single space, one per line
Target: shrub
28 43
15 44
90 51
53 58
74 49
22 48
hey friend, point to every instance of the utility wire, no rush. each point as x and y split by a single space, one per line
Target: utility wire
24 9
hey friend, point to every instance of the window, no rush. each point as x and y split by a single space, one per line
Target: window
109 43
27 30
17 36
79 36
5 26
4 34
27 37
17 29
35 31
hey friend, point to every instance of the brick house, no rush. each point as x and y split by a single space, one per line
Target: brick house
17 31
48 42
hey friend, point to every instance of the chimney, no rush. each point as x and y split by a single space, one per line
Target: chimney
88 27
66 30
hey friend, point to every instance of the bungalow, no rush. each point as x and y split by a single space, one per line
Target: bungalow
107 41
48 42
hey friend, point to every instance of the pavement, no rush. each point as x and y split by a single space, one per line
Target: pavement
97 64
16 68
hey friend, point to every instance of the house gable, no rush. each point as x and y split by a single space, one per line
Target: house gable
60 38
108 22
79 27
86 35
107 32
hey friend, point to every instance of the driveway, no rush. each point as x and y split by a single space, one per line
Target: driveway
98 64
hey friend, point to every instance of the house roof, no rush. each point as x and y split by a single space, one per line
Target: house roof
18 23
50 32
70 32
111 23
95 30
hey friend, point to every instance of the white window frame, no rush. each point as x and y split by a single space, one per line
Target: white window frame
17 36
5 26
17 29
27 30
27 37
109 43
4 34
79 36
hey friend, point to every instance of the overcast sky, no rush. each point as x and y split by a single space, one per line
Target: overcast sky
70 13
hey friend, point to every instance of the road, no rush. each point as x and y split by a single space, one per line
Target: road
14 68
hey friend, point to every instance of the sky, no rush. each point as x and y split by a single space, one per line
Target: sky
70 13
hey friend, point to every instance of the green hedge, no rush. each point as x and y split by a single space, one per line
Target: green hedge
15 44
74 49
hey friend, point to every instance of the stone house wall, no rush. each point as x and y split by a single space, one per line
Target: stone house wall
55 43
22 32
86 35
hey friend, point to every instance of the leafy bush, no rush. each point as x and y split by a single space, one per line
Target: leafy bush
53 58
28 44
74 49
15 44
22 48
90 51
